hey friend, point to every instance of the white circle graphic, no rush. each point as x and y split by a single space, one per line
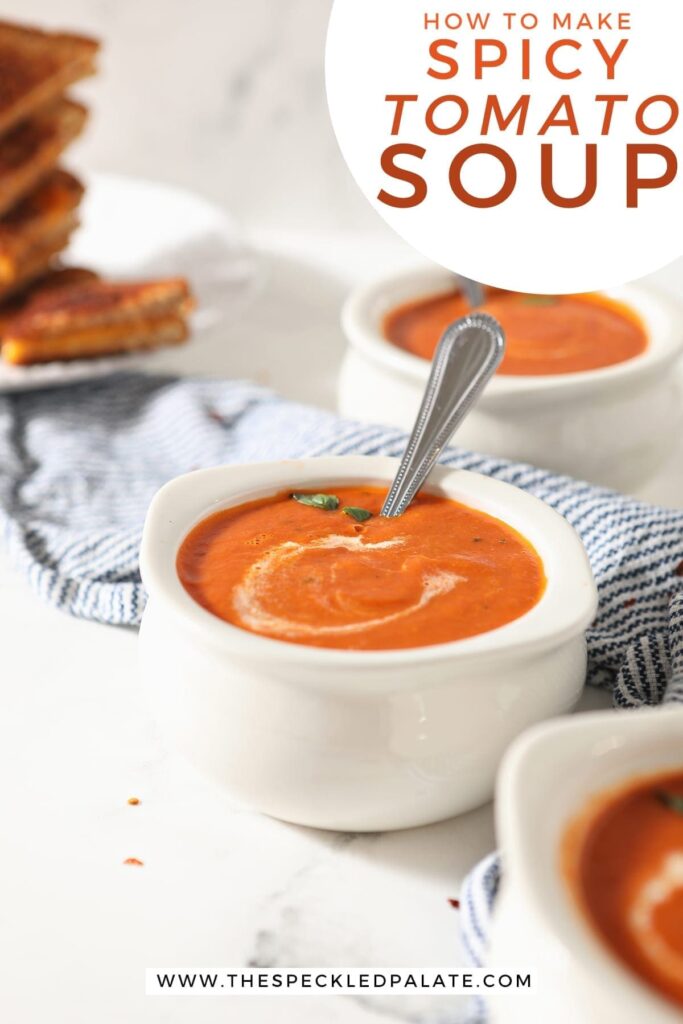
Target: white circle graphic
533 147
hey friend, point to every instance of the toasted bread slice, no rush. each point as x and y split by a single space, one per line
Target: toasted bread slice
60 276
49 280
38 260
106 302
88 343
44 216
31 150
36 67
98 318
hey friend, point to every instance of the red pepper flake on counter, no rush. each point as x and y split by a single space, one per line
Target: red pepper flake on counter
454 903
134 862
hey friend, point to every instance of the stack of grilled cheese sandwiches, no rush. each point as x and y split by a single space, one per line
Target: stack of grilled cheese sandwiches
49 311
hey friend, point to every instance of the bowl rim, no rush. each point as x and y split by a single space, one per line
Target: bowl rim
524 766
563 612
362 328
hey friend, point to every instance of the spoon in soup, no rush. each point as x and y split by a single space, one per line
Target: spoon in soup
466 358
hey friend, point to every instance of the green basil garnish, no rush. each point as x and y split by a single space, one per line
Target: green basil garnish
674 801
359 514
327 502
540 300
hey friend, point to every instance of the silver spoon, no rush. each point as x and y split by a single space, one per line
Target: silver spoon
474 291
466 358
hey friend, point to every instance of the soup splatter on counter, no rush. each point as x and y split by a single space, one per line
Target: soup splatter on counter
327 570
545 334
625 861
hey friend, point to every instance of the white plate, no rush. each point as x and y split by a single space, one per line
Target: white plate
135 228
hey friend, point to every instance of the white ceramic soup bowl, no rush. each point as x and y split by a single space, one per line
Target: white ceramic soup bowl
356 740
613 426
548 778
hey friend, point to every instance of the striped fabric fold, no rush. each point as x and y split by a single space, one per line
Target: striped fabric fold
81 464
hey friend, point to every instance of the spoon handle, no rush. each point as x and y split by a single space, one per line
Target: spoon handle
474 291
466 358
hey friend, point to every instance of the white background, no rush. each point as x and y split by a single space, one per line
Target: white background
225 97
222 96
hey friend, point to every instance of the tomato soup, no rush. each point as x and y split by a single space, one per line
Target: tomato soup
328 570
626 859
545 334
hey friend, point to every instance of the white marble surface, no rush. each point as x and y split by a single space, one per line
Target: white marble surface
218 886
225 97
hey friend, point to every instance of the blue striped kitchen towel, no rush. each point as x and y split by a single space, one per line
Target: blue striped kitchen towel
78 467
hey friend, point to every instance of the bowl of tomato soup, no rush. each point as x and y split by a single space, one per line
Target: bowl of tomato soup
577 368
590 820
546 335
327 570
339 669
625 859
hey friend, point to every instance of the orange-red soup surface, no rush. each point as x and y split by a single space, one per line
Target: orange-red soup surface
625 860
440 572
545 334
